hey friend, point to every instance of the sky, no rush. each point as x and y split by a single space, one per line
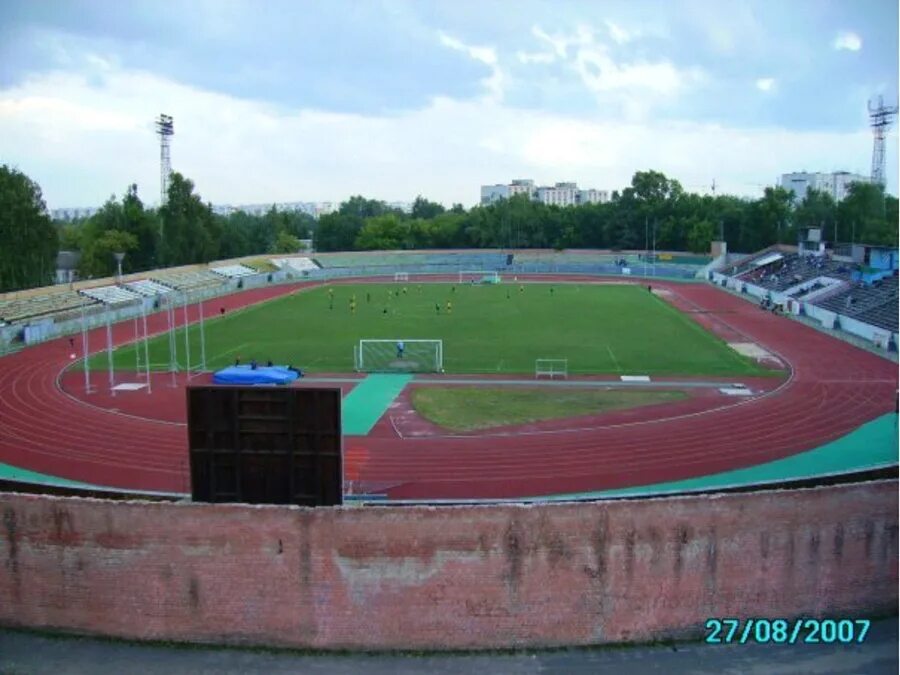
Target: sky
317 101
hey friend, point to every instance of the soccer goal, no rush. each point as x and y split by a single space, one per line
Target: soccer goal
401 276
399 355
551 368
479 277
881 339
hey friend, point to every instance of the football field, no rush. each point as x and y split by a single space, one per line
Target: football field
500 328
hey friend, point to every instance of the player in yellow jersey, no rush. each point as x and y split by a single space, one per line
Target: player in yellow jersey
449 307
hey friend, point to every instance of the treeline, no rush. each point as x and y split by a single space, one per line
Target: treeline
185 230
653 207
182 232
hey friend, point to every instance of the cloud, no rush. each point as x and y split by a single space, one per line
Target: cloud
618 34
765 83
240 150
847 40
493 84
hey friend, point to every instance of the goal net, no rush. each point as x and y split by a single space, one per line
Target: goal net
881 339
399 355
479 277
551 368
401 276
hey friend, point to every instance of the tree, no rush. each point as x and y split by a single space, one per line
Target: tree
700 236
363 208
863 215
97 259
338 231
188 227
144 225
422 208
286 243
28 240
386 232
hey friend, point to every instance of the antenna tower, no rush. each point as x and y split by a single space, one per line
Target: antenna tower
880 119
164 129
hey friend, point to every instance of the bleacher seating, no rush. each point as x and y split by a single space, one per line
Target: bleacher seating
233 271
148 287
875 304
296 264
53 300
190 279
793 269
111 295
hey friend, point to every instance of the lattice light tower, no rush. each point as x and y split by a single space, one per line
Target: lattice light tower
880 119
164 129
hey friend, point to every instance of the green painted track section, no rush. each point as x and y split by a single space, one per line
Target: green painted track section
8 472
369 400
871 446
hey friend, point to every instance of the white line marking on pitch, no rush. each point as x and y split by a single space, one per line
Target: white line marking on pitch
613 357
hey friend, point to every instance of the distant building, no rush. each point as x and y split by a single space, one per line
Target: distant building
592 196
836 184
561 194
71 214
494 193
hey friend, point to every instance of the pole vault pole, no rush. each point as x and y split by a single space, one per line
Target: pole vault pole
137 344
109 355
146 348
202 341
173 349
84 349
187 338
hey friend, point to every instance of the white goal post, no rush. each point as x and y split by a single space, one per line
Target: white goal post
551 368
401 276
479 276
399 355
881 339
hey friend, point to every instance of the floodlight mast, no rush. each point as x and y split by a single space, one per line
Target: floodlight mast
881 117
164 129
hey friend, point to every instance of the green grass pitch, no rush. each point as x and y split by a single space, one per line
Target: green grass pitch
610 329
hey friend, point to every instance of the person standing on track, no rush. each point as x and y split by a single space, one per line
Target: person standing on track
400 348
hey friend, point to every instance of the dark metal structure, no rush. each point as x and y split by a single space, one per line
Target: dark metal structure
265 445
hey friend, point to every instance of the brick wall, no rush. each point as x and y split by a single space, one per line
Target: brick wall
449 577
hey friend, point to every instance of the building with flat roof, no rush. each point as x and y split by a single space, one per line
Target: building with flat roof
560 194
837 184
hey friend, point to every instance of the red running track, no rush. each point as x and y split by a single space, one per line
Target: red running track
834 388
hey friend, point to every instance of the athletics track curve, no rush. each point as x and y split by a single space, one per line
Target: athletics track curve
833 389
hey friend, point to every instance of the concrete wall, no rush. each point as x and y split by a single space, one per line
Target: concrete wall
447 577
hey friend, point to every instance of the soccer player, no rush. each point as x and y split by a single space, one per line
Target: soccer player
453 289
521 288
400 347
449 307
437 308
353 306
551 290
404 290
368 297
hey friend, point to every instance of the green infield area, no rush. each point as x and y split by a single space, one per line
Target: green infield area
499 328
474 408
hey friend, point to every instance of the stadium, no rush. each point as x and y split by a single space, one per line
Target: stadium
534 444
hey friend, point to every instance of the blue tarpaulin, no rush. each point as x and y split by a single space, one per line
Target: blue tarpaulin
259 375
